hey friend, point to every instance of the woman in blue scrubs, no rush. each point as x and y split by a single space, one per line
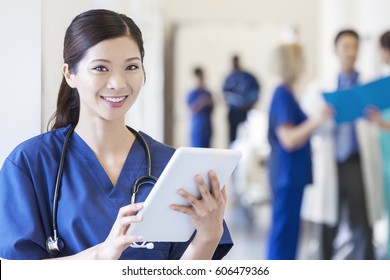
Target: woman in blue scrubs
201 105
102 77
290 160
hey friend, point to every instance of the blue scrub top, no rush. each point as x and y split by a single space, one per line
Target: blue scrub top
88 204
287 168
240 89
201 129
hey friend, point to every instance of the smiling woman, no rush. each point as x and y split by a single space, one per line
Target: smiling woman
108 79
93 160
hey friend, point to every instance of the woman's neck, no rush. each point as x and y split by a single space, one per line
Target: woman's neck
105 137
110 142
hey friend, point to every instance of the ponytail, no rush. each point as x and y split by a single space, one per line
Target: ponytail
68 107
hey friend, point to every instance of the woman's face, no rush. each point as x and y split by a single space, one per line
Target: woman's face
109 79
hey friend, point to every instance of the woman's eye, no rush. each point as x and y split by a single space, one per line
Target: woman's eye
100 69
132 67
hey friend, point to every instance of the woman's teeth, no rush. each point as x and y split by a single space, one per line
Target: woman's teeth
114 99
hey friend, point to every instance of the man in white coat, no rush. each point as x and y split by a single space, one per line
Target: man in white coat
347 167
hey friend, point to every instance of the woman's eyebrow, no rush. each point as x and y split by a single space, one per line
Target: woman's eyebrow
109 61
101 60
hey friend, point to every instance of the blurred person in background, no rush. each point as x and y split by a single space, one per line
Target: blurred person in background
241 91
290 168
382 120
344 199
200 103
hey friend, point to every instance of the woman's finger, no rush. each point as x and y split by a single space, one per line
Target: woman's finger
192 200
125 223
203 188
130 209
189 210
224 195
215 186
126 215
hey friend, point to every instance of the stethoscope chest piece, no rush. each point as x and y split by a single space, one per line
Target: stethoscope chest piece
54 245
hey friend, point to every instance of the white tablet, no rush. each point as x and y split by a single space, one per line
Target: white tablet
160 223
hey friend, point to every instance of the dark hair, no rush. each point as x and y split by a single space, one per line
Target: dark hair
236 62
198 72
385 40
85 31
343 32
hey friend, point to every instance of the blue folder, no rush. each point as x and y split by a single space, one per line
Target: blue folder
350 104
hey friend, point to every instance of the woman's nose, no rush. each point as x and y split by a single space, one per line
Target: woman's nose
117 81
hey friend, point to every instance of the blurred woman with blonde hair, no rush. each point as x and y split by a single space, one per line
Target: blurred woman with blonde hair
290 167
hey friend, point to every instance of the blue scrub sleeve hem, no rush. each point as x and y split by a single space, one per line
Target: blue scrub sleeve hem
12 256
225 244
222 251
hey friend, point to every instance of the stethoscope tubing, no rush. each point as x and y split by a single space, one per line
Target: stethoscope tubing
54 249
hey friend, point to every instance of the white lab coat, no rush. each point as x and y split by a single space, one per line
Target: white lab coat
320 201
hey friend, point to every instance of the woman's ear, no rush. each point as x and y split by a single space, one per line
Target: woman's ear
69 77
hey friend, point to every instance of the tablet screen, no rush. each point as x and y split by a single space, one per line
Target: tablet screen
160 223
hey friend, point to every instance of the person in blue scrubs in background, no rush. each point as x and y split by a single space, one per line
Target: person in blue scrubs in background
241 91
290 168
103 74
201 105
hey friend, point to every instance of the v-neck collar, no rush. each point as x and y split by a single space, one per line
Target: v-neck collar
131 170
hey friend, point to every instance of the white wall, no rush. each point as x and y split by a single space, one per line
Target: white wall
20 73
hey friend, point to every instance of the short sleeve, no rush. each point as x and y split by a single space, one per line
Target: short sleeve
224 245
22 236
192 96
282 111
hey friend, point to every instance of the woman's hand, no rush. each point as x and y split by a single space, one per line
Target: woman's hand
207 215
374 115
117 240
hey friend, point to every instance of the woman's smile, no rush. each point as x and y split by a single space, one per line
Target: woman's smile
114 101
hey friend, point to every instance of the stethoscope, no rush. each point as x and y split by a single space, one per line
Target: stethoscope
54 244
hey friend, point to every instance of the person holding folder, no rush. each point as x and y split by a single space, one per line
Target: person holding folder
343 199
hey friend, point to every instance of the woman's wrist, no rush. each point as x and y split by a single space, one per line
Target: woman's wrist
209 238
